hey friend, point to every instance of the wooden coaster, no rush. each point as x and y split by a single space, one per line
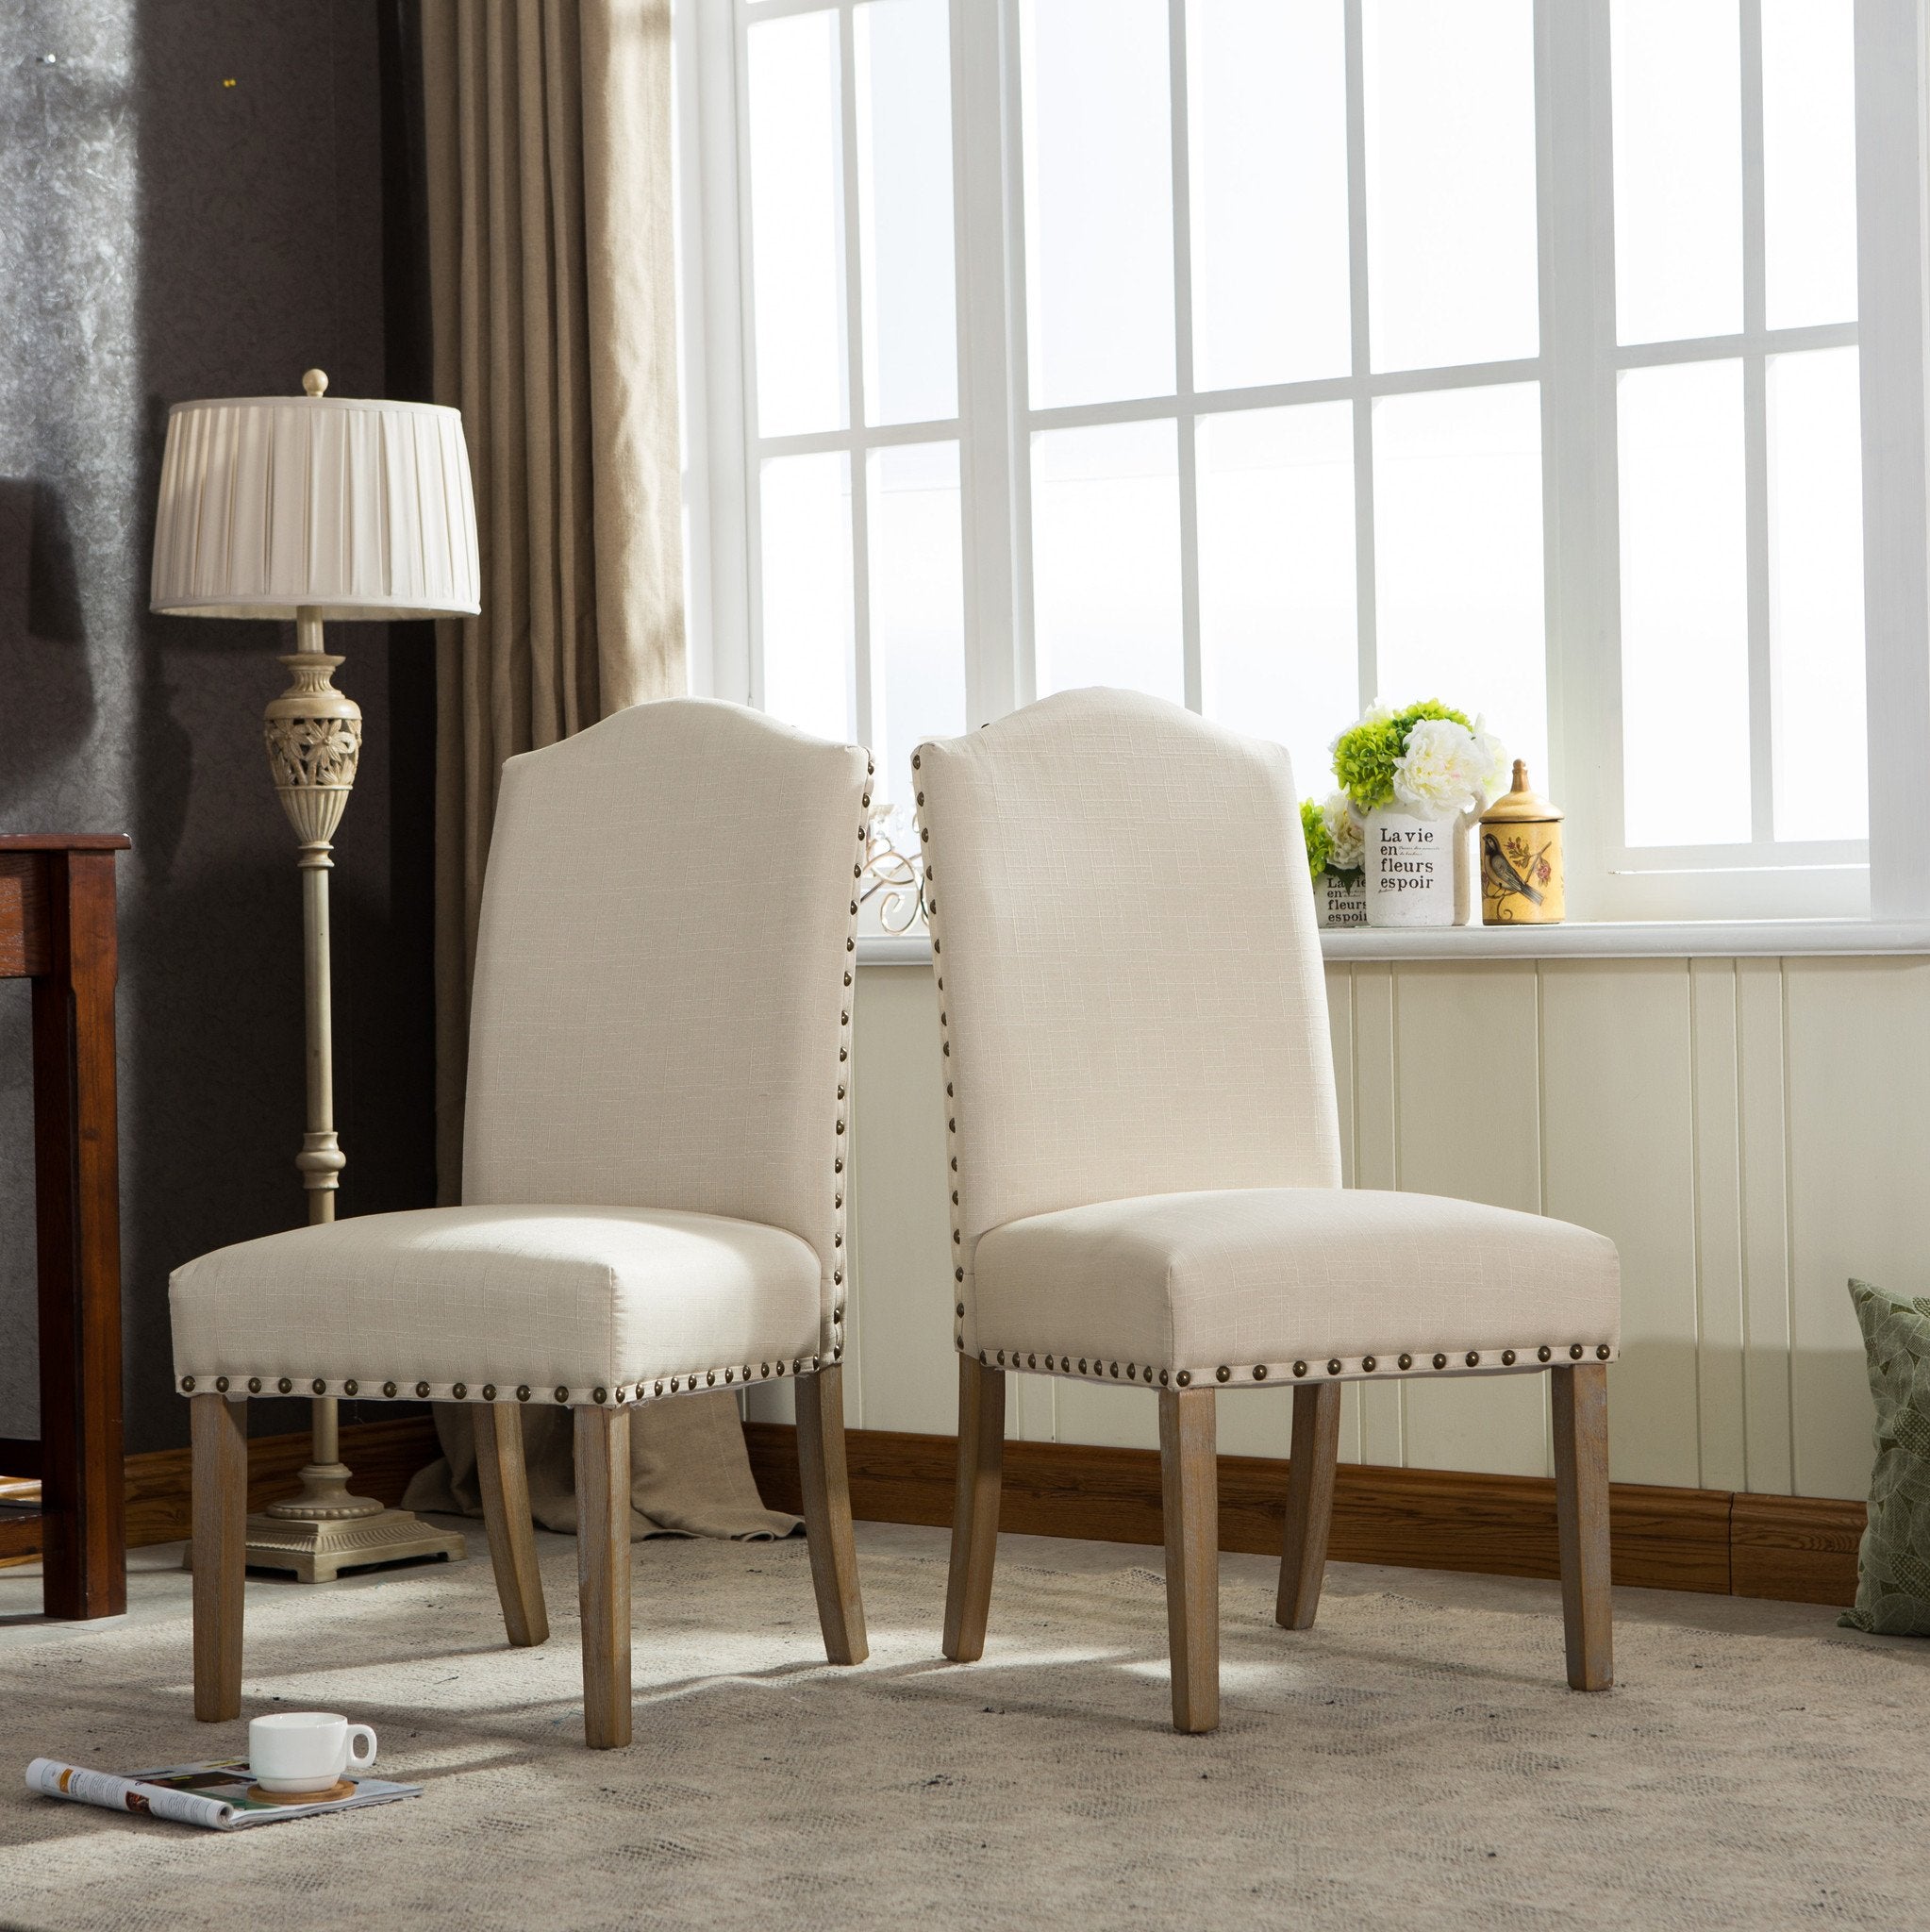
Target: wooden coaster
346 1788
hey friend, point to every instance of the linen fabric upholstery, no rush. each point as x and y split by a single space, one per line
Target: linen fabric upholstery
1893 1564
1143 1137
1266 1278
591 1300
661 1010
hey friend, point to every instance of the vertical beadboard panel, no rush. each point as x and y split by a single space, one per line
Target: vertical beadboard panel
1718 1223
899 1214
1619 1156
1762 1138
1341 1026
1858 1035
1469 1125
1371 1416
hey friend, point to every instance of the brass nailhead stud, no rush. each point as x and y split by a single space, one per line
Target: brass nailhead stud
187 1385
522 1390
460 1390
914 761
1406 1361
1162 1379
797 1365
1369 1364
1260 1372
1334 1365
729 1375
837 1165
1507 1358
957 1274
255 1386
319 1386
1115 1372
422 1391
1601 1353
1300 1368
1543 1353
1082 1365
1132 1372
1184 1376
981 1358
1032 1361
388 1390
599 1395
1473 1357
220 1385
709 1378
1441 1361
960 1311
489 1391
1574 1354
350 1388
1002 1358
1222 1374
763 1372
285 1385
564 1394
657 1389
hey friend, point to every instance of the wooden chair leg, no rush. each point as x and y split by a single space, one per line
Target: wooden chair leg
1191 1484
220 1434
1309 1502
827 1514
504 1481
976 1507
1581 1510
603 1571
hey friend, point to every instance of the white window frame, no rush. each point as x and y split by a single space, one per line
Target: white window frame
1575 368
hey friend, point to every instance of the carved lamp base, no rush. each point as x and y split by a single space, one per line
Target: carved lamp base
319 1552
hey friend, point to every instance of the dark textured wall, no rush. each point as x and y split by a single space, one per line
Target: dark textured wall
191 203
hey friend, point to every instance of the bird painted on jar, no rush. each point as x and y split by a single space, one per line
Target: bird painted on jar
1495 863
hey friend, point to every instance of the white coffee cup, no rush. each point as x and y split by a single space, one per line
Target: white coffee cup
307 1750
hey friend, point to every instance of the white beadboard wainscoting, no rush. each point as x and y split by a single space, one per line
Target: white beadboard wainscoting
1749 1130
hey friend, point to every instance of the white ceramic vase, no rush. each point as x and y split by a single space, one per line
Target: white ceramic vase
1411 867
1339 900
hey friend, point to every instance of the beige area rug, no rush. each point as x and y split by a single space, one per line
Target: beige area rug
1415 1761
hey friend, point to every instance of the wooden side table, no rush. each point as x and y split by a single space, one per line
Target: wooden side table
56 929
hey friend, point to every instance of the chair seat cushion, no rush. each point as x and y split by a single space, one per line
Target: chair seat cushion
454 1304
1249 1285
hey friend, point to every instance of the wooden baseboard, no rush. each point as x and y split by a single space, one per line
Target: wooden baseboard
1797 1548
382 1455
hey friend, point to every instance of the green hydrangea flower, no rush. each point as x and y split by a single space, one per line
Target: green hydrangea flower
1320 841
1364 756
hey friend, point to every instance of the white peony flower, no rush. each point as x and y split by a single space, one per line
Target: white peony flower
1441 771
1493 763
1344 827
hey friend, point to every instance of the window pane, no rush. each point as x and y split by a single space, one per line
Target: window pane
1098 199
917 608
1808 161
1685 605
1457 558
1267 127
1677 79
902 55
806 593
1815 596
797 224
1451 247
1277 629
1106 559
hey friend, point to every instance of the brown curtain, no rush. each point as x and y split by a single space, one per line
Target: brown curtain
553 291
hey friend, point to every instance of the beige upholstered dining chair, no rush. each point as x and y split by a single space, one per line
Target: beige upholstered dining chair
1145 1156
654 1184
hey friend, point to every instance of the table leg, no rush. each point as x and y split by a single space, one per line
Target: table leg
77 1171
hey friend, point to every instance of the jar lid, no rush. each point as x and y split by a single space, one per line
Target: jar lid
1519 802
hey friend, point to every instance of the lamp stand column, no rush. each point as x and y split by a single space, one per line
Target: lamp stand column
314 736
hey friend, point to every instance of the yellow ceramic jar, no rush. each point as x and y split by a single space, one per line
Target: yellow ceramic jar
1520 856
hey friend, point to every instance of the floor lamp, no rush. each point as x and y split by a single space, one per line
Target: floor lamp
315 507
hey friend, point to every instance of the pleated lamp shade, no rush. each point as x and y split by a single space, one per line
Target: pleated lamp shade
352 508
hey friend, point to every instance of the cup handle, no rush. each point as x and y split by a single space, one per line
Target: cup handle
360 1760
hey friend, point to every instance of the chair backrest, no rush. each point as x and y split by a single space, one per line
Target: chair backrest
1129 976
661 1013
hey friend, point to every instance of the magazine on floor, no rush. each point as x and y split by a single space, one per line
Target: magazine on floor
217 1796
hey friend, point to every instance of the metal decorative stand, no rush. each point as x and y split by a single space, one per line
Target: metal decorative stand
314 739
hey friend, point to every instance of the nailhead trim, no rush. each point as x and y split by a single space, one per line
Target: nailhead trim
255 1386
220 1384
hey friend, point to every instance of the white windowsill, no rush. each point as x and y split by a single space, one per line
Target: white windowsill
1725 938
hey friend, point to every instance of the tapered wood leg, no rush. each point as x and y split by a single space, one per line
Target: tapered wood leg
220 1532
827 1514
1309 1502
1581 1510
505 1480
1189 1482
976 1507
603 1571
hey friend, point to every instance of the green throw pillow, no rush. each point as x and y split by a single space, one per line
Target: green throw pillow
1893 1566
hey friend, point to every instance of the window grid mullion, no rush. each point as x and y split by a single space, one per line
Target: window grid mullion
1756 439
1019 365
747 284
1193 678
1360 381
864 698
